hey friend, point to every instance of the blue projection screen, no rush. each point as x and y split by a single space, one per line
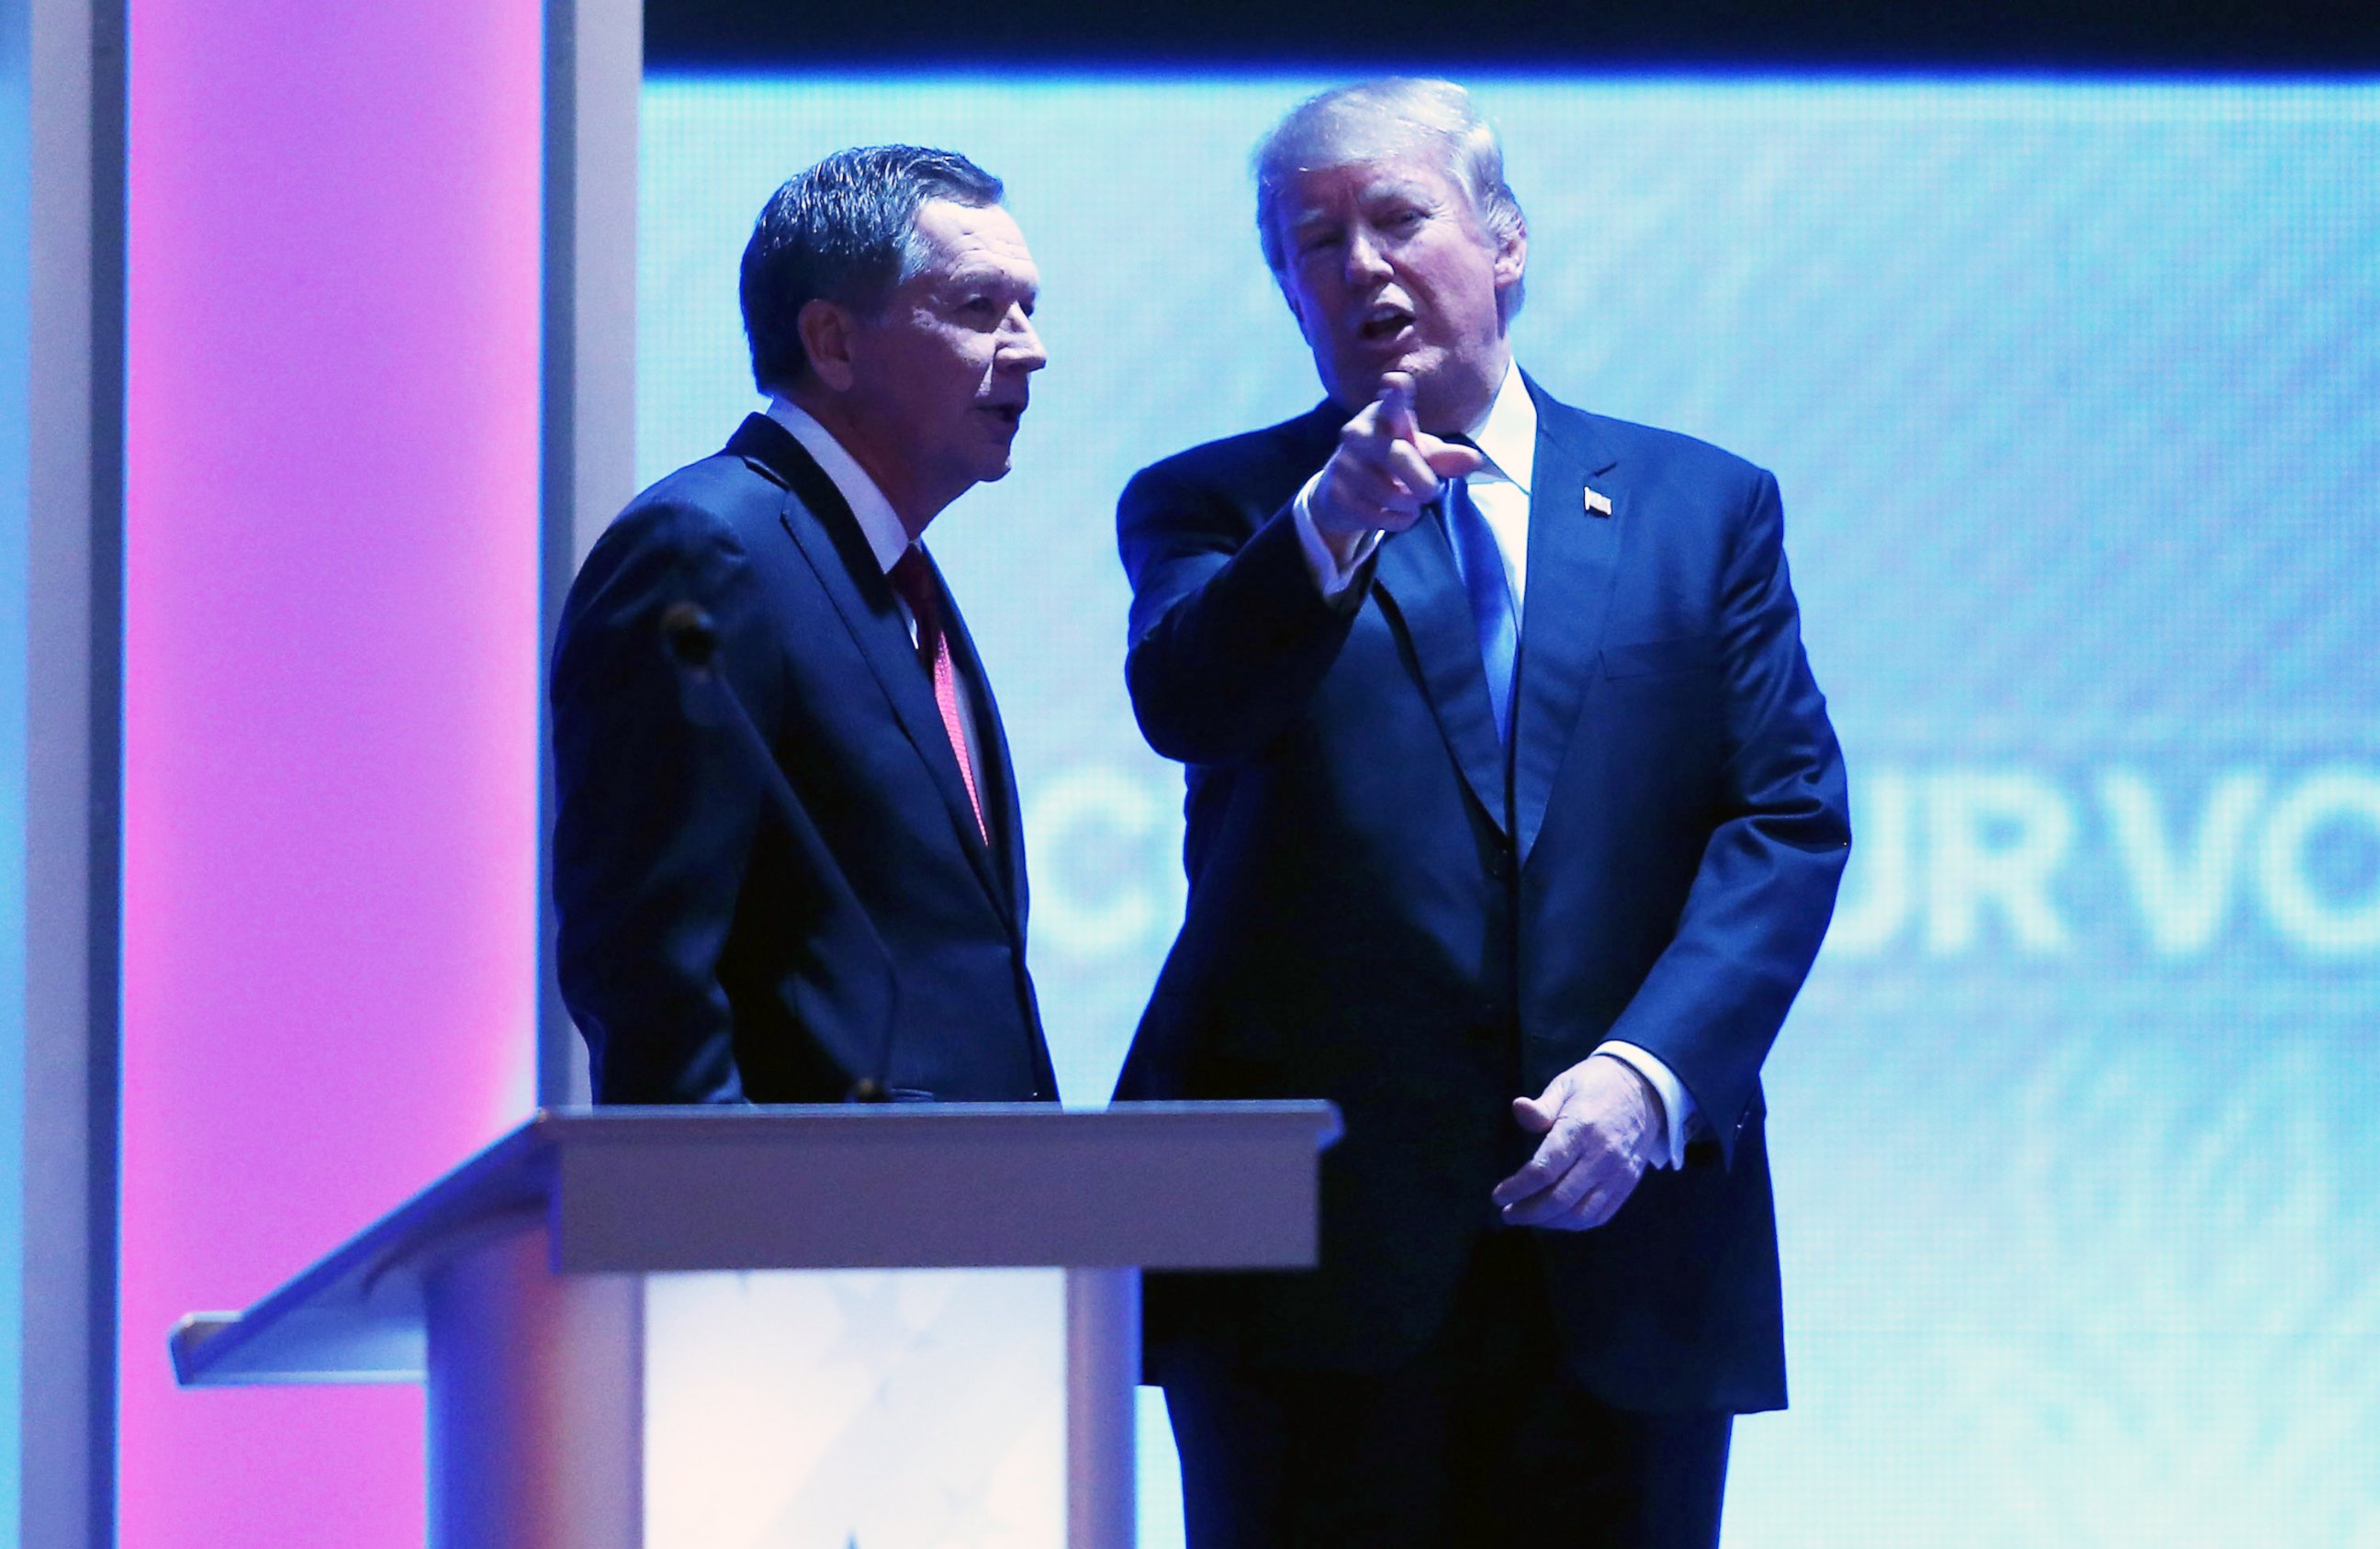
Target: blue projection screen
2074 389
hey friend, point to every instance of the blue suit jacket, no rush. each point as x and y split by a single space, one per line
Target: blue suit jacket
1376 917
706 953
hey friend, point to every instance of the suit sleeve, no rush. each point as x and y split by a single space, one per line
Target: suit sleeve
1229 634
656 805
1761 898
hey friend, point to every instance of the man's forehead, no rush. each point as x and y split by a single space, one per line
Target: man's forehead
1311 189
964 238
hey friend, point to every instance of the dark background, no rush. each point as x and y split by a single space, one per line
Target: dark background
2316 37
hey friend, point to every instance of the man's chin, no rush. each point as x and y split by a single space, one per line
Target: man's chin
1416 360
992 457
1450 394
1359 381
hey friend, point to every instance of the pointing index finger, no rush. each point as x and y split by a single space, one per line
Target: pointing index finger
1396 401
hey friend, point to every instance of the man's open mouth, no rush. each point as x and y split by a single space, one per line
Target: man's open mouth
1385 321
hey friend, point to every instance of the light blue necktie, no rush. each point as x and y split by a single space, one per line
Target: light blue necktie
1482 567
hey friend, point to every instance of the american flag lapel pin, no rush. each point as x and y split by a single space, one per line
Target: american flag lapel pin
1597 504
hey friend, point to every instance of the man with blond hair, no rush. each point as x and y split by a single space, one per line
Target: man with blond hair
1515 821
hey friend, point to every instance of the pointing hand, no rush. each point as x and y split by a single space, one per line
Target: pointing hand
1387 468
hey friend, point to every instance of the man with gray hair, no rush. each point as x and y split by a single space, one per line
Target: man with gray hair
727 936
1515 821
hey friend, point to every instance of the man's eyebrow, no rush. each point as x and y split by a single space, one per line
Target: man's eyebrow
979 277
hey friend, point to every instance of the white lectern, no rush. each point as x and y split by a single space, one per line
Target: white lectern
515 1287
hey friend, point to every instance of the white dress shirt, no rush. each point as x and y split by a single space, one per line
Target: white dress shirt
880 524
1507 436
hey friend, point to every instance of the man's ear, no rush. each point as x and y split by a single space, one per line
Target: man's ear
826 332
1513 256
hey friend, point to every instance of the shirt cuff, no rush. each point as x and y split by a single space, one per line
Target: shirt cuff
1331 577
1677 1105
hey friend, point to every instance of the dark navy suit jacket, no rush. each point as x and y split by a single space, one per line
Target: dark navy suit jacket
706 955
1377 917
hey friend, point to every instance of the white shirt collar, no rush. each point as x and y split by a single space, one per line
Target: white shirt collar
1508 436
887 538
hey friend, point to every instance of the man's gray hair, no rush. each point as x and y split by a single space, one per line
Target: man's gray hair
1374 118
845 231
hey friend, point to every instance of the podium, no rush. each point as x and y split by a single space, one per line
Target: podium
526 1290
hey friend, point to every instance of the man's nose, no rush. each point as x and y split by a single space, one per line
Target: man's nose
1022 351
1366 262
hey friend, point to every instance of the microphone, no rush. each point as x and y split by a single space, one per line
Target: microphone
692 641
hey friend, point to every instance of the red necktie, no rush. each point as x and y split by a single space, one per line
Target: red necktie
914 579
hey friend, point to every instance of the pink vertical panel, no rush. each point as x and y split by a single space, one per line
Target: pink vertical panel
331 688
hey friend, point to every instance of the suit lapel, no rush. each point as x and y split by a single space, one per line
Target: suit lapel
1418 581
1572 559
830 540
